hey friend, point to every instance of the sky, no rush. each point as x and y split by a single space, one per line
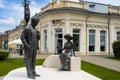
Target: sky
12 11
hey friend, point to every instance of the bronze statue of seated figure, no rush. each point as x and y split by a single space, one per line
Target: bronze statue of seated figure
69 51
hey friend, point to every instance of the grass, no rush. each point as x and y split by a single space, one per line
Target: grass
10 64
103 73
113 58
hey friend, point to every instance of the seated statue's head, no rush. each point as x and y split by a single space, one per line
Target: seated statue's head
68 37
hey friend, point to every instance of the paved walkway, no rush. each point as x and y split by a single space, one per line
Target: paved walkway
15 55
1 77
101 60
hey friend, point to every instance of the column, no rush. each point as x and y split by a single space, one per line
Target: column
58 2
97 40
107 47
41 39
112 33
67 25
111 37
49 36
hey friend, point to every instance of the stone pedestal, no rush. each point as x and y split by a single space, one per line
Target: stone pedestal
75 63
53 61
49 74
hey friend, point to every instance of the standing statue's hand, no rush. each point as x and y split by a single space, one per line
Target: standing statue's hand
28 46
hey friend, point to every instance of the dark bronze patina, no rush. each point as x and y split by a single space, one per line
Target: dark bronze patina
69 51
30 37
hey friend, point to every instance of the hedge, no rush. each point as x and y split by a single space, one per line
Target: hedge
3 55
116 49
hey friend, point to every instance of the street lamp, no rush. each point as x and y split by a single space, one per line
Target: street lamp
26 11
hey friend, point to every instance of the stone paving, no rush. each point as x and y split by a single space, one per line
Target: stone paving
1 77
101 60
15 55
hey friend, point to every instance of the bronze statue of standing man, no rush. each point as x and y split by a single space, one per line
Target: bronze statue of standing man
30 39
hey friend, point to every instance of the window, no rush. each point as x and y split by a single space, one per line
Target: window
118 35
91 40
102 40
58 40
76 39
45 40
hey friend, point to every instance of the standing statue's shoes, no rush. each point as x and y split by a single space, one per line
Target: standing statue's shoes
37 75
31 77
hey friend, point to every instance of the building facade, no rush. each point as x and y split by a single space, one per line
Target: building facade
14 41
94 26
4 40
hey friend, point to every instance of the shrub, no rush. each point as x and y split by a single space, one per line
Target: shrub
116 49
3 55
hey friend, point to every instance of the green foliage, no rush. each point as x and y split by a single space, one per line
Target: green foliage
3 54
113 58
102 73
116 49
10 64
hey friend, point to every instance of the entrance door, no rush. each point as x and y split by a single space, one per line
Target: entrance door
58 41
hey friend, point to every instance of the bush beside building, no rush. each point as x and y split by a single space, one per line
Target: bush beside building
116 49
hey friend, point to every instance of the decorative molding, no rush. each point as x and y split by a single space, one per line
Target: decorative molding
117 28
100 21
76 25
97 26
45 26
58 24
115 23
78 19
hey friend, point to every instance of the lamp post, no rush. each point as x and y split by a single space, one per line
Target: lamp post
26 12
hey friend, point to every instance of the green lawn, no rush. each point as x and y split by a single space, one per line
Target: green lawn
10 64
103 73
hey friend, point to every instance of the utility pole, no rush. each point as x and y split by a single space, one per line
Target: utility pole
26 12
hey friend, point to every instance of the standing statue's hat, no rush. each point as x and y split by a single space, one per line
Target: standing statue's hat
35 18
68 37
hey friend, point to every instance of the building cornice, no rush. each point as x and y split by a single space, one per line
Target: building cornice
77 11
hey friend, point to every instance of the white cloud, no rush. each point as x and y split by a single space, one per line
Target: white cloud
9 20
33 3
113 2
15 12
3 29
1 4
34 8
16 7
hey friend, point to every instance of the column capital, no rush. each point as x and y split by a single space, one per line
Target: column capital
67 18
